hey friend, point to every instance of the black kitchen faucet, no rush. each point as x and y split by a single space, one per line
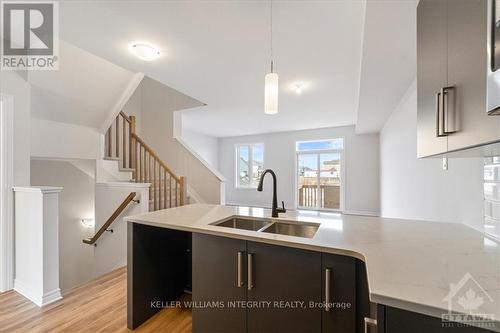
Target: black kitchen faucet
275 209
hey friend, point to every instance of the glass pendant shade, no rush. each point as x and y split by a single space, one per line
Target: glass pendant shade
271 94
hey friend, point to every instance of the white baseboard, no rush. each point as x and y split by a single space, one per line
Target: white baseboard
360 212
38 299
51 297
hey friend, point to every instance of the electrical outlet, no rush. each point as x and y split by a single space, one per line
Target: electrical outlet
445 163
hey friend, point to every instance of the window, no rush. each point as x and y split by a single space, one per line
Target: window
249 164
319 174
335 144
491 197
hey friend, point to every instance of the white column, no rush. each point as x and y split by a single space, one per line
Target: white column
37 243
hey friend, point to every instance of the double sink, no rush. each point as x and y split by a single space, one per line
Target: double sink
271 226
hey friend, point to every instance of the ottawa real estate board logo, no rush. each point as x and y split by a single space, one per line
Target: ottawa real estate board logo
29 33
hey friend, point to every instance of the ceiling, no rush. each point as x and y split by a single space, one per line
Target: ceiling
218 52
71 95
389 60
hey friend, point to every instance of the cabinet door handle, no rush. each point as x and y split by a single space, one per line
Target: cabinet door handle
445 110
328 288
370 322
250 270
240 283
439 127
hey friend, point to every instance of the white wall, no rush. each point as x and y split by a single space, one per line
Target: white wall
159 104
52 139
361 167
133 107
420 189
15 84
111 250
76 201
205 145
15 87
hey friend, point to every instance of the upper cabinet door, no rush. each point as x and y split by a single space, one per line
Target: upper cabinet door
467 70
431 75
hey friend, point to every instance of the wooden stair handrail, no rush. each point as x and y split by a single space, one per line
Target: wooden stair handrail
124 116
133 154
111 219
156 157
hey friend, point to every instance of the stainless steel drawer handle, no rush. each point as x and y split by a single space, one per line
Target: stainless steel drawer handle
370 322
240 283
250 271
328 288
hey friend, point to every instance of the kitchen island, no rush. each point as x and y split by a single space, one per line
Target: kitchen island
410 265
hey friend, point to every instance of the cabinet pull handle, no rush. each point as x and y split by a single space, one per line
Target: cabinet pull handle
370 322
328 287
240 282
250 270
445 94
439 127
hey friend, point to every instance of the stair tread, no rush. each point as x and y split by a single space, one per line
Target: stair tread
110 158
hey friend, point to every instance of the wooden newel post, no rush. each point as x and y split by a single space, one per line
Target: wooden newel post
132 148
183 194
132 124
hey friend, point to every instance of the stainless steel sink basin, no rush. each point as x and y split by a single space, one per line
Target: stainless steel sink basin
245 224
282 227
299 229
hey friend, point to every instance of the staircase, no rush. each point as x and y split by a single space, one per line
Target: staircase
123 145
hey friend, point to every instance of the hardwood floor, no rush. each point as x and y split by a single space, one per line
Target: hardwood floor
98 306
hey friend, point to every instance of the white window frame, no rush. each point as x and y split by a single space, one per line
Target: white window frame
341 152
250 163
6 194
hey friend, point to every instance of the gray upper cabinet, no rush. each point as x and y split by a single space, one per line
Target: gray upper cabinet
467 69
452 67
431 76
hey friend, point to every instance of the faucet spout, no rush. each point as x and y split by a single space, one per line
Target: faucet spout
275 209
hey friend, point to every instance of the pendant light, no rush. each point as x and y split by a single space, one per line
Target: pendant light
271 80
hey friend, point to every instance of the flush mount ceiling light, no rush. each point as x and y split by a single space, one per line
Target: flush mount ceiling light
145 51
271 80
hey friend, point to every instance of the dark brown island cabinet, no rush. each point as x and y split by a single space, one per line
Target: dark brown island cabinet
278 289
247 286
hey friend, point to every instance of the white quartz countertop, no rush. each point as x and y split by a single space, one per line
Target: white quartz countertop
410 264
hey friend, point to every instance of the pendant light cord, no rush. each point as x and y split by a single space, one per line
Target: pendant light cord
271 34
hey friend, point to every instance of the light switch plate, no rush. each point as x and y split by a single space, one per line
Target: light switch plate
445 163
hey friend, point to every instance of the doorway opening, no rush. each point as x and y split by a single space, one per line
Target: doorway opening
319 174
6 195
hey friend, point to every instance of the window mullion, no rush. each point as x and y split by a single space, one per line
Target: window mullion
318 192
250 164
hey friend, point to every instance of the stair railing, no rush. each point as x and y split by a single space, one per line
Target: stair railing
123 144
117 140
105 227
167 190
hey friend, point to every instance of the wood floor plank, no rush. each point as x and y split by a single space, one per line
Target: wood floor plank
98 306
